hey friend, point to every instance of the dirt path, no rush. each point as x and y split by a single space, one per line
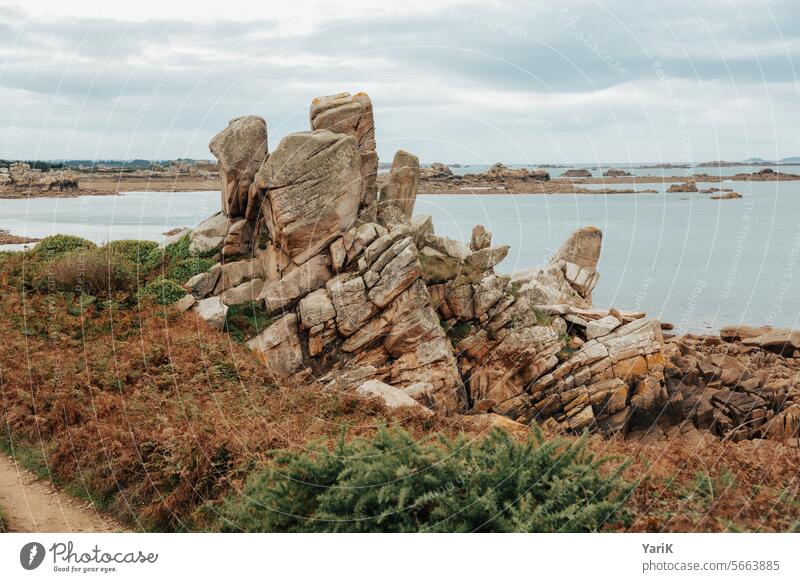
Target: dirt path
31 505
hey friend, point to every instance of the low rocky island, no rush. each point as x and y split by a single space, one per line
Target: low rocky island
6 238
436 178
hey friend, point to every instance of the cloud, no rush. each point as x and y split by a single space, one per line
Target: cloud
463 81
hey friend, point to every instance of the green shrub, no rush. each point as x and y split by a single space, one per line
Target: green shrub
185 269
246 320
178 250
59 244
164 291
394 483
144 254
94 272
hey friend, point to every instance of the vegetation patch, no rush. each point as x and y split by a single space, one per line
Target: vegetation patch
58 244
184 269
458 331
94 272
541 317
178 250
395 483
246 320
145 255
163 291
440 269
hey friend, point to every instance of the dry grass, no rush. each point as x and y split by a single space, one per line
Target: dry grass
95 272
158 419
150 413
711 486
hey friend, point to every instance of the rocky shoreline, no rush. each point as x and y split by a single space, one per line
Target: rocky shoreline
500 179
109 185
6 238
361 296
435 179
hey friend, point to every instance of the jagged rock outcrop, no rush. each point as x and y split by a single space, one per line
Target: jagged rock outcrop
571 274
616 173
606 382
480 239
579 173
399 195
311 187
240 149
351 115
683 187
735 388
436 171
363 296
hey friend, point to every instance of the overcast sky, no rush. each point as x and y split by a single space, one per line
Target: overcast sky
458 81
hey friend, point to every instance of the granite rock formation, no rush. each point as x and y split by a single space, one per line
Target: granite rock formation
361 295
351 115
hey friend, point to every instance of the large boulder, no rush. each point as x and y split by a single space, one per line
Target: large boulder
312 183
582 247
390 396
212 311
279 346
684 187
241 148
777 340
401 190
209 234
351 115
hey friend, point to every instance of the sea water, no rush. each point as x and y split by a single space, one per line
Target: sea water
684 258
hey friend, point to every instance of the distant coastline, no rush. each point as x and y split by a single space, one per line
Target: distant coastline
498 179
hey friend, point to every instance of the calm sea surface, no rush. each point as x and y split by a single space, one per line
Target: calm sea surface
684 258
635 170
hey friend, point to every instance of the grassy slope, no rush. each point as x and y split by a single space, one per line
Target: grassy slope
158 419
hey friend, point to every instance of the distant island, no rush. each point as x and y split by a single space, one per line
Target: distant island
66 178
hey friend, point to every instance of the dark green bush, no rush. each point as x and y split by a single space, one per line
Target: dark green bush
246 320
178 250
144 254
184 269
394 483
164 291
59 244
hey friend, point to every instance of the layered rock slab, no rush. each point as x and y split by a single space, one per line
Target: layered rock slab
312 190
351 115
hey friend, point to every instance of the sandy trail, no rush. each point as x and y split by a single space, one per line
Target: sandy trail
29 504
